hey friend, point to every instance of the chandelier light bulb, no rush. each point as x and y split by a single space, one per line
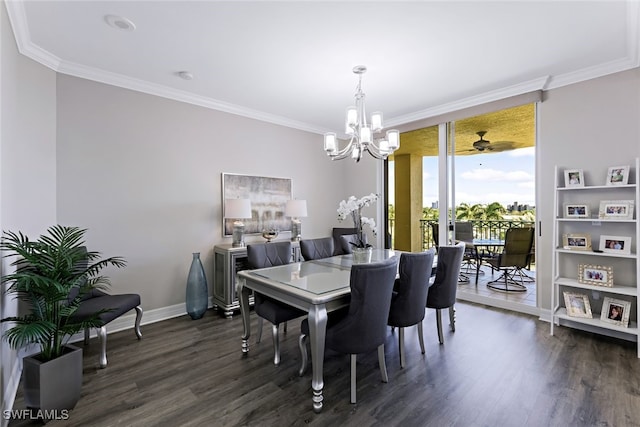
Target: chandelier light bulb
362 136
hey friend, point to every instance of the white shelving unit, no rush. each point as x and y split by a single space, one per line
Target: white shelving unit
566 262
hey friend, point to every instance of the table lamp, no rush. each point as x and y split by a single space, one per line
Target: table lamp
296 209
237 209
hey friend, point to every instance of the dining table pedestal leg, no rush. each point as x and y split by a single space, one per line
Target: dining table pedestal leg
317 333
243 297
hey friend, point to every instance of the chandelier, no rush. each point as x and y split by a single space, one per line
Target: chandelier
362 133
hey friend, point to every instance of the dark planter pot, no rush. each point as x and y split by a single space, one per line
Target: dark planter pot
55 384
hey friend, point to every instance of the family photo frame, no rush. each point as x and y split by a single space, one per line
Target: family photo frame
576 241
577 305
616 209
615 311
615 244
618 175
598 275
574 210
574 178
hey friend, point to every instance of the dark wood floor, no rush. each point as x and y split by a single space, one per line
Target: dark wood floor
497 369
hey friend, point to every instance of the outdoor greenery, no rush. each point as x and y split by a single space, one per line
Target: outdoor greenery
492 211
52 275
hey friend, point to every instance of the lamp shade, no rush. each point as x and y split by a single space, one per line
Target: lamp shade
237 208
296 208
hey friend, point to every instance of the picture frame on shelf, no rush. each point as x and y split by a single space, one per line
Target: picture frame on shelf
577 241
615 244
577 305
616 209
573 178
615 311
598 275
575 210
618 175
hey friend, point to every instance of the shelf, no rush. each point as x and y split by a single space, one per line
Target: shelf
566 259
601 220
595 321
620 290
591 253
596 187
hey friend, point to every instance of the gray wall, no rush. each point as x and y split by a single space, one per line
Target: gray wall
27 167
143 174
591 126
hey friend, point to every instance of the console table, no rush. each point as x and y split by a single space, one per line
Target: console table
228 261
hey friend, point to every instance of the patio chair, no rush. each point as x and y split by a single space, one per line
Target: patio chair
513 259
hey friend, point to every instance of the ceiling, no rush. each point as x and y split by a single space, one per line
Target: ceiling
291 63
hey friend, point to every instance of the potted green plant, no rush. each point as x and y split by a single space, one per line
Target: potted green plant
52 275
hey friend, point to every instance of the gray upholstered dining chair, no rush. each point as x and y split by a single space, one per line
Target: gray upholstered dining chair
442 293
363 326
317 248
337 243
263 255
348 240
410 295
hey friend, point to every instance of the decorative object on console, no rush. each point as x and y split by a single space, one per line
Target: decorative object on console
237 209
296 209
577 305
615 244
572 210
616 209
615 311
618 175
268 198
595 275
270 234
361 132
197 293
577 241
353 207
573 178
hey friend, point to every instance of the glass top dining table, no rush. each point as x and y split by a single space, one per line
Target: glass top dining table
317 287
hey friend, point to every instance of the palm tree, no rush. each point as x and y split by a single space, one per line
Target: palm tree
495 211
469 212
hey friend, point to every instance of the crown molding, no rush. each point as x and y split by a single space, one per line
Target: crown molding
472 101
18 20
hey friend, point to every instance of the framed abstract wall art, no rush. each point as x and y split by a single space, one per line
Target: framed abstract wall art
268 197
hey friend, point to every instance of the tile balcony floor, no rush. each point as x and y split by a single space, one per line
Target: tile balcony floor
524 302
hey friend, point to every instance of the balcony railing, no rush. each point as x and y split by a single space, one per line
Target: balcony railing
482 229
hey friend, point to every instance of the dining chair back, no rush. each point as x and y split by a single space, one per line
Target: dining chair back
317 248
363 326
410 295
263 255
442 294
337 243
515 257
349 240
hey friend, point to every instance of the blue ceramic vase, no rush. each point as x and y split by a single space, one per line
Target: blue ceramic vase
197 293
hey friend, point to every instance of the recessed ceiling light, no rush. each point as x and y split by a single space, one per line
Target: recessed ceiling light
119 22
185 75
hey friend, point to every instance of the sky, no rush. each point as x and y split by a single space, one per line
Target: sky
505 177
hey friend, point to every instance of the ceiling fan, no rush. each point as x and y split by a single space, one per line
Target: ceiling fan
483 144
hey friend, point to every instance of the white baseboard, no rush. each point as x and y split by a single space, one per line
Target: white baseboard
127 321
